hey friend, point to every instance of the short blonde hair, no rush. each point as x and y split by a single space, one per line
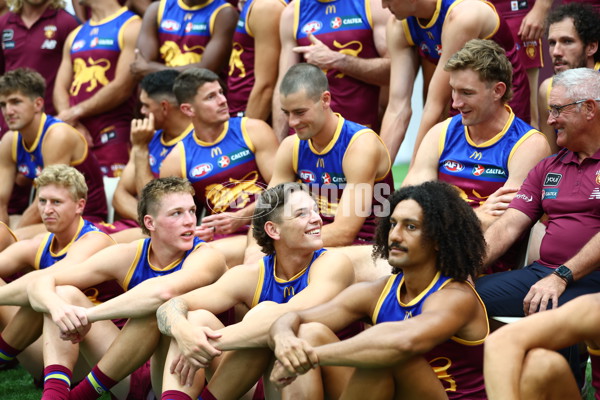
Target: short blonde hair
65 176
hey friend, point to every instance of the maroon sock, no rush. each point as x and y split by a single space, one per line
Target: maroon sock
206 394
93 386
57 382
7 352
174 395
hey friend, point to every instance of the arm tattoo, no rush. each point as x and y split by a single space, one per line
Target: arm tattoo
169 313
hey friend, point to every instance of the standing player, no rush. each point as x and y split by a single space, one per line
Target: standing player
94 88
185 33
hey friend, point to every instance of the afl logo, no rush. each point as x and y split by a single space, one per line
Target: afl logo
23 169
170 25
307 176
478 170
152 160
312 27
453 166
201 170
78 45
326 178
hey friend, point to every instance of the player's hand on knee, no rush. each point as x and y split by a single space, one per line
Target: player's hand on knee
71 319
296 355
186 369
198 348
281 376
497 203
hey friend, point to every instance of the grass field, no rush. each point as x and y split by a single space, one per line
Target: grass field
17 384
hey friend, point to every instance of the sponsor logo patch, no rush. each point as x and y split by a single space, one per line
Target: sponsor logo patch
201 170
453 166
307 176
548 194
552 179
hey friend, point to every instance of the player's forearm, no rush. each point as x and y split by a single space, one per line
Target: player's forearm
432 113
172 317
377 347
60 99
138 302
286 325
143 174
337 235
125 204
31 216
393 128
259 102
15 293
252 332
41 293
108 98
4 213
375 71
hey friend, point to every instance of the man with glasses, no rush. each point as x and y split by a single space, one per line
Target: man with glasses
566 187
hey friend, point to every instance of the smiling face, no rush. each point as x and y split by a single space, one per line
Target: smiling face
57 207
299 224
173 224
568 122
408 246
305 115
476 100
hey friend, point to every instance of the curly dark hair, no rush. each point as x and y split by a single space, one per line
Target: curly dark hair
268 208
585 19
448 222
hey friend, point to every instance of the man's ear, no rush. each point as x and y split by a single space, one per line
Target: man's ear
187 109
149 222
272 229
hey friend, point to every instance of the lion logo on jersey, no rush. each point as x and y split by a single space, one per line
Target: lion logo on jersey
235 194
235 61
92 74
174 57
348 51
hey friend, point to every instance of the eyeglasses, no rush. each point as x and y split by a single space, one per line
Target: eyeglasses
556 110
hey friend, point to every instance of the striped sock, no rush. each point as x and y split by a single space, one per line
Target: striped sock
174 395
57 382
93 386
206 394
7 352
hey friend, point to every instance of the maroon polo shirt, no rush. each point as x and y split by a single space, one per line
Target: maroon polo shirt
569 192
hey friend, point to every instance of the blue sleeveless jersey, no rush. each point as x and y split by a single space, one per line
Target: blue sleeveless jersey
45 257
272 288
184 31
141 269
324 174
158 149
344 26
224 173
479 170
30 162
390 308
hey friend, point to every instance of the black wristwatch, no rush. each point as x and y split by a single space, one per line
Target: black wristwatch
564 273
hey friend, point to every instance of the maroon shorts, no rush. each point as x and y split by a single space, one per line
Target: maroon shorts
116 226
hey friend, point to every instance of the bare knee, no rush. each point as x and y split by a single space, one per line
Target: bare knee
204 318
316 334
542 368
73 295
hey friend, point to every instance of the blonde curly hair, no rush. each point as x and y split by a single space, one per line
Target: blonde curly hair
17 5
